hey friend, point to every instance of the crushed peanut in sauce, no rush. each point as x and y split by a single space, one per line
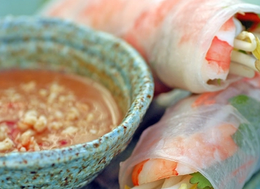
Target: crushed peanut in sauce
42 110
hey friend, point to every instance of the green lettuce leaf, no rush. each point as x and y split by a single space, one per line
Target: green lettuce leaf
249 108
201 181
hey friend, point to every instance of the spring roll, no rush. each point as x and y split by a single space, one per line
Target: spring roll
207 141
197 45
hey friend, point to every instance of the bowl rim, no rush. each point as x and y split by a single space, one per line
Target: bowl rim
137 107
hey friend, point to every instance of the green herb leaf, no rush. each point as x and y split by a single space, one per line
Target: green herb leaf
201 181
219 81
249 108
238 136
242 51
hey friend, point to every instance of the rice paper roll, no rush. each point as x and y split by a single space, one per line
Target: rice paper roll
193 44
208 140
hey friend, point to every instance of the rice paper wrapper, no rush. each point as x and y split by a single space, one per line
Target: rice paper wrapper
186 36
194 132
172 35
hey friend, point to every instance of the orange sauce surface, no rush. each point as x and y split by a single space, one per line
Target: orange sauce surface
44 110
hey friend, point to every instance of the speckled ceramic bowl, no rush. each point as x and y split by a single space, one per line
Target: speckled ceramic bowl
60 45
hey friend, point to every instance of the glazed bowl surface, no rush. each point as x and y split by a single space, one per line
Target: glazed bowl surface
47 43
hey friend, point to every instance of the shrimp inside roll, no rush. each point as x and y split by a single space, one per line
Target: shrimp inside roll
157 173
233 52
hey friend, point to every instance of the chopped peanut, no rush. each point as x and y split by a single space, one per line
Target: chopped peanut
22 149
30 117
52 97
15 97
28 87
7 144
69 130
32 144
10 92
36 147
58 114
26 136
43 92
73 114
55 125
30 120
62 99
83 107
90 117
23 126
56 88
41 124
93 131
70 97
3 132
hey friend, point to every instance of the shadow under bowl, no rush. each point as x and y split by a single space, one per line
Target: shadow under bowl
44 43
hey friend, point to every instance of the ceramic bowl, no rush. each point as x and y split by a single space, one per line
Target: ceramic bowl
46 43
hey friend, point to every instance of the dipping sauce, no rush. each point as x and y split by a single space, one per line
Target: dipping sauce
42 110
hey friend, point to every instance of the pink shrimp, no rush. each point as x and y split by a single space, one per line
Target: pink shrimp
196 148
205 99
219 54
215 55
160 169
